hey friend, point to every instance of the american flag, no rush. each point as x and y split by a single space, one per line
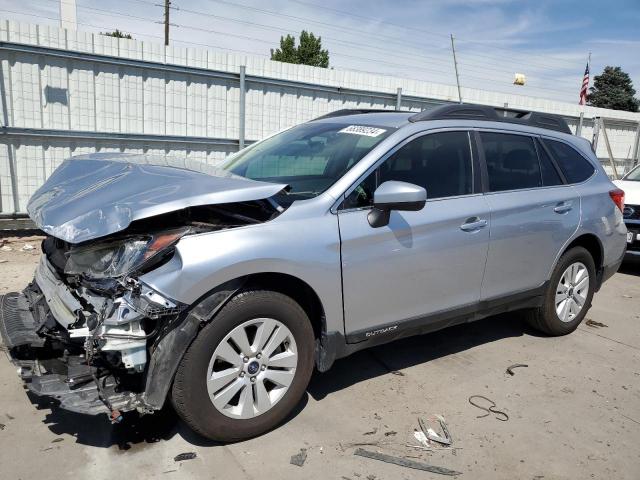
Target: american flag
585 86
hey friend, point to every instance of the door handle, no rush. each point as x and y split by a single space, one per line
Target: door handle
472 224
563 207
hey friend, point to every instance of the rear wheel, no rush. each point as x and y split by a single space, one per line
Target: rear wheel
568 297
247 369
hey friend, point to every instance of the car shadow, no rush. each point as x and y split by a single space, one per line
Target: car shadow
136 431
630 267
395 356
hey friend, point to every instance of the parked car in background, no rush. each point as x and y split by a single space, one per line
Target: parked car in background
630 183
221 288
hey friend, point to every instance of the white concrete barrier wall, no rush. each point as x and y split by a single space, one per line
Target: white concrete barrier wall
131 108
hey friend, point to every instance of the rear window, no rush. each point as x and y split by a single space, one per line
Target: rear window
512 161
575 167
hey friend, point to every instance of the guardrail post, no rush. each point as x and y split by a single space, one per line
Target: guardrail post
635 151
612 161
241 113
399 99
580 122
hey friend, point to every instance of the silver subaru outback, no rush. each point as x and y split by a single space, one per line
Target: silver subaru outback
221 289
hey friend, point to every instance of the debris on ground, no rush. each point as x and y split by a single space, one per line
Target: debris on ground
594 324
185 456
390 433
517 365
299 458
2 425
489 410
403 462
4 261
627 296
432 435
56 440
27 247
371 432
396 372
6 248
421 438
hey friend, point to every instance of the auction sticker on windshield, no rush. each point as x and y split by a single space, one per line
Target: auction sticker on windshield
362 130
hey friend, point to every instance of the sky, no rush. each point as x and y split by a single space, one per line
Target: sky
548 41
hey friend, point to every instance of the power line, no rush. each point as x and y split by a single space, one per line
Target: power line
260 40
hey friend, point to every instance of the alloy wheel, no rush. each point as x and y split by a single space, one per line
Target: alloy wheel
252 368
572 291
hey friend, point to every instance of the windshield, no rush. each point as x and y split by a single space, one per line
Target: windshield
309 157
633 175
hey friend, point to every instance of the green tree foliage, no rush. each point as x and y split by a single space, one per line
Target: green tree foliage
117 34
308 52
613 89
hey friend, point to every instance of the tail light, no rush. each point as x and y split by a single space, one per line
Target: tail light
617 196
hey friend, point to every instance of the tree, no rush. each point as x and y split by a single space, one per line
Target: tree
613 89
308 52
117 34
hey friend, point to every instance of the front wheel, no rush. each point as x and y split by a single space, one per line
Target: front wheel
568 297
247 369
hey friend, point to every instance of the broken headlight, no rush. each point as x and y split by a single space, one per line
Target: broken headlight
119 257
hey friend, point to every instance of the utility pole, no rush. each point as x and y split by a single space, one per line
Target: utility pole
455 64
167 3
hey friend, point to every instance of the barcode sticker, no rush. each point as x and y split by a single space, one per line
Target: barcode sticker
362 130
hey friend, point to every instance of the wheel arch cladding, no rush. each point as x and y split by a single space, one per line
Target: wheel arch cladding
170 348
591 243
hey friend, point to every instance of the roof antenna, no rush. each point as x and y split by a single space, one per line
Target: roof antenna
455 64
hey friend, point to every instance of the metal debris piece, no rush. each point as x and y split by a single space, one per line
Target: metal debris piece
431 433
396 372
594 324
403 462
299 458
489 410
390 433
517 365
56 440
185 456
421 437
371 432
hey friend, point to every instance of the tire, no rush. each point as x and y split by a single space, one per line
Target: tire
546 318
190 391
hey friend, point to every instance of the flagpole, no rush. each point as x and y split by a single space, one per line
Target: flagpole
581 120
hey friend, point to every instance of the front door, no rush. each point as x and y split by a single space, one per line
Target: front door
424 262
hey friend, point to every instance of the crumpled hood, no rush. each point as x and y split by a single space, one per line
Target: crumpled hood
91 196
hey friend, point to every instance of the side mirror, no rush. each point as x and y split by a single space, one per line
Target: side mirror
393 195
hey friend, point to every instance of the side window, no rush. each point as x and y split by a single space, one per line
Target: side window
575 167
439 162
550 175
362 196
512 161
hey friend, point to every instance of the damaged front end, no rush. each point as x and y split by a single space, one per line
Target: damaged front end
87 330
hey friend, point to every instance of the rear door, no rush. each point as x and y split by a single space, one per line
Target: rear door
422 262
533 213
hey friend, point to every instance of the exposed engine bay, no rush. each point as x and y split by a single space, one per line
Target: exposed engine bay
90 333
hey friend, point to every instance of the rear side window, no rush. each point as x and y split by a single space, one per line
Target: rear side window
550 175
575 167
512 161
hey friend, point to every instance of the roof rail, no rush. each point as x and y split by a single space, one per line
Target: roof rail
356 111
493 114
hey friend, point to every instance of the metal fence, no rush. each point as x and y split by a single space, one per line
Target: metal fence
65 93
